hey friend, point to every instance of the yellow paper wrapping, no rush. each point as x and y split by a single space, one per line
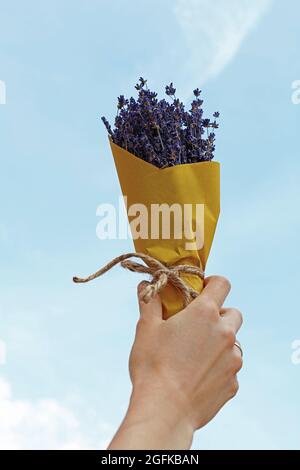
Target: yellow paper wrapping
196 183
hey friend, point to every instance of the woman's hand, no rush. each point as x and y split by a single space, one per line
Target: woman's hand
183 370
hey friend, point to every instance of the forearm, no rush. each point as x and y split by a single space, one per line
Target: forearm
154 420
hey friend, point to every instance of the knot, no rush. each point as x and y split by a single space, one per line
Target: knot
162 274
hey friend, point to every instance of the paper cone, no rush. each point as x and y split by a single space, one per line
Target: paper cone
196 183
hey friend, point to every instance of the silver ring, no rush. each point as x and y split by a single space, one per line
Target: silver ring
239 347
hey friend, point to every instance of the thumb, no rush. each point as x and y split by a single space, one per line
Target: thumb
153 308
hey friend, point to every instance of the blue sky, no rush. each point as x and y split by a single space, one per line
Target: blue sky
64 380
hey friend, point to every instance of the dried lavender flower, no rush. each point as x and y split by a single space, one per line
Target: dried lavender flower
161 132
170 90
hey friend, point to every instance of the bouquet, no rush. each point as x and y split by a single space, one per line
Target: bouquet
171 187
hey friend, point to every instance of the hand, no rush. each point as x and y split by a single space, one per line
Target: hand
183 370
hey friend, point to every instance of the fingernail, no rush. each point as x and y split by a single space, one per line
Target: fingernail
142 286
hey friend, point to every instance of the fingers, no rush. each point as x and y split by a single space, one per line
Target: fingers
151 309
216 289
233 388
232 317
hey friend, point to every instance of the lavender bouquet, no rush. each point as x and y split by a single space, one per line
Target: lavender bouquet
171 187
163 133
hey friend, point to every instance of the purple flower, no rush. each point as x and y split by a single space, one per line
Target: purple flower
170 90
107 125
122 102
160 132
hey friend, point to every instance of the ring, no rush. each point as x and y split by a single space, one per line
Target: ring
239 347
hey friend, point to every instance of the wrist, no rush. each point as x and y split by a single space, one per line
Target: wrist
161 410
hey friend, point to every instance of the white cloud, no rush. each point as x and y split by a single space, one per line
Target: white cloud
214 31
44 424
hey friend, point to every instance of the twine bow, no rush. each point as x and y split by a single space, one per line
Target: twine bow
161 273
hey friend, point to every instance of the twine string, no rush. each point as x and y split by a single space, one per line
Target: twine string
162 274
